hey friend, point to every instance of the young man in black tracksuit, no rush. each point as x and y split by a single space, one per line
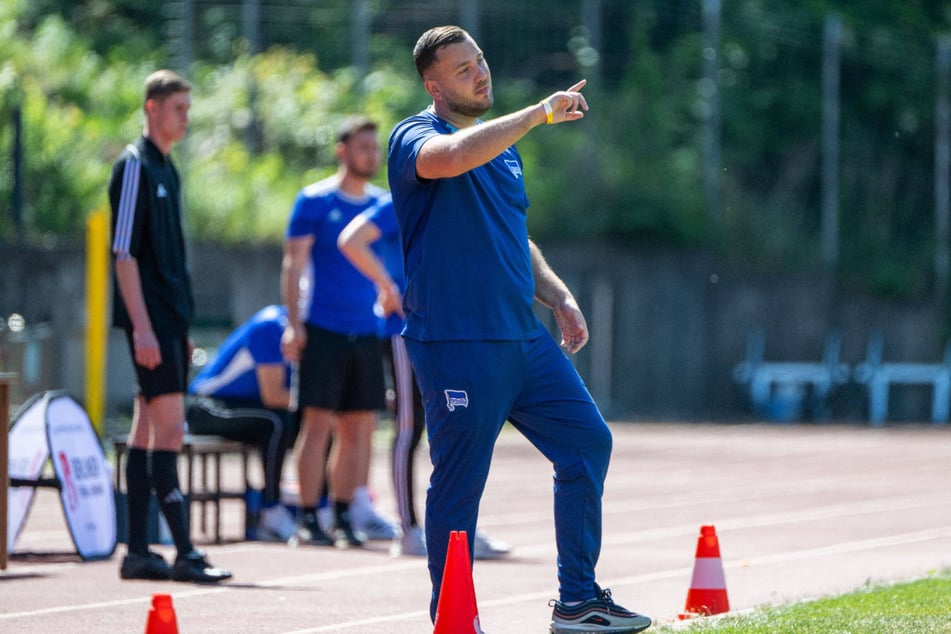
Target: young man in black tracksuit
153 304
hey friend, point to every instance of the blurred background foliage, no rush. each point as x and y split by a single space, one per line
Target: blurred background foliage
266 104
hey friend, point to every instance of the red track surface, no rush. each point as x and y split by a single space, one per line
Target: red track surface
800 511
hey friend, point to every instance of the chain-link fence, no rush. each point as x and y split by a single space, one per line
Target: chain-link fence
811 134
28 352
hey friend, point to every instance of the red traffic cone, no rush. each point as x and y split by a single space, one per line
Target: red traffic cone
707 593
161 616
456 611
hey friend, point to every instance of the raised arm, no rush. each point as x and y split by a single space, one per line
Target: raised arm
449 155
354 242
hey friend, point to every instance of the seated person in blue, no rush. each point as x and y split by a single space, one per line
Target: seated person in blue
244 394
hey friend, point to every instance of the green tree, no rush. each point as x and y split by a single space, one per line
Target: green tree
263 124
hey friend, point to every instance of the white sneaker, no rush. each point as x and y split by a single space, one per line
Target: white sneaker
361 504
411 544
487 548
276 524
373 525
366 519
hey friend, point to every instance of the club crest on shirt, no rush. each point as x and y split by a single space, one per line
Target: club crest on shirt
335 215
514 167
161 192
456 398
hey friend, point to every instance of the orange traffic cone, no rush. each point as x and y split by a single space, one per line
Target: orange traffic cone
161 616
456 611
707 593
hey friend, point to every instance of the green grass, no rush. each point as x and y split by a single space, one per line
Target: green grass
922 606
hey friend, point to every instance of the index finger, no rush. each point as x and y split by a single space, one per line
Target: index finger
578 86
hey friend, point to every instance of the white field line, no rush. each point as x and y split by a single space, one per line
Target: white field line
765 520
675 573
198 591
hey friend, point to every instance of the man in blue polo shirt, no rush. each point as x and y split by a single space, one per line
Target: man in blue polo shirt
332 333
480 354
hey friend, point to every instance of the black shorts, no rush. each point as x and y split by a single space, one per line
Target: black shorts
170 376
341 373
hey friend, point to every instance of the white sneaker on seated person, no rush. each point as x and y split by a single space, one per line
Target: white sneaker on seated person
276 524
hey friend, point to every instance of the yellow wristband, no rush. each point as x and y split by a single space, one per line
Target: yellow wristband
549 115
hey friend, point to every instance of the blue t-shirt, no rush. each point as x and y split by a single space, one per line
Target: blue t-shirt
339 298
465 243
388 249
231 373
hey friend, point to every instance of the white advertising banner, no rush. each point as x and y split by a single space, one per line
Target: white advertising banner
29 451
53 426
85 477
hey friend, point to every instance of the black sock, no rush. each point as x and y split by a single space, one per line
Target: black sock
174 508
138 495
342 513
308 514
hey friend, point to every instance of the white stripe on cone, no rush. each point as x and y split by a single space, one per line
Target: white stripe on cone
708 574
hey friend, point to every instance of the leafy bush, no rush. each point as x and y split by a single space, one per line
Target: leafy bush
263 124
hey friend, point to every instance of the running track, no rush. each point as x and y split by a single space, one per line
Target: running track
800 511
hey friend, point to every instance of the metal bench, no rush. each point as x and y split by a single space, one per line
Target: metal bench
878 377
205 490
763 379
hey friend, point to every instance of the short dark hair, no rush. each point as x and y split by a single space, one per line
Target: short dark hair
352 125
429 43
163 83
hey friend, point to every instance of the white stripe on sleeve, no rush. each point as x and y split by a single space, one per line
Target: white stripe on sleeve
127 202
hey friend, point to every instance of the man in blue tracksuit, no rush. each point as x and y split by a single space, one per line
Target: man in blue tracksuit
372 243
480 354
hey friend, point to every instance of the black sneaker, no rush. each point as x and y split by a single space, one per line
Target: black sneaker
194 567
344 535
309 533
148 566
600 614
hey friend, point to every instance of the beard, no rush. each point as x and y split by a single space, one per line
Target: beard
362 171
470 107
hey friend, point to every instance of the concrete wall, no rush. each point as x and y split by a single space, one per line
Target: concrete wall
667 326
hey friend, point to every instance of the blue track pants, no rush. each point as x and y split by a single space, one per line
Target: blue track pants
470 389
